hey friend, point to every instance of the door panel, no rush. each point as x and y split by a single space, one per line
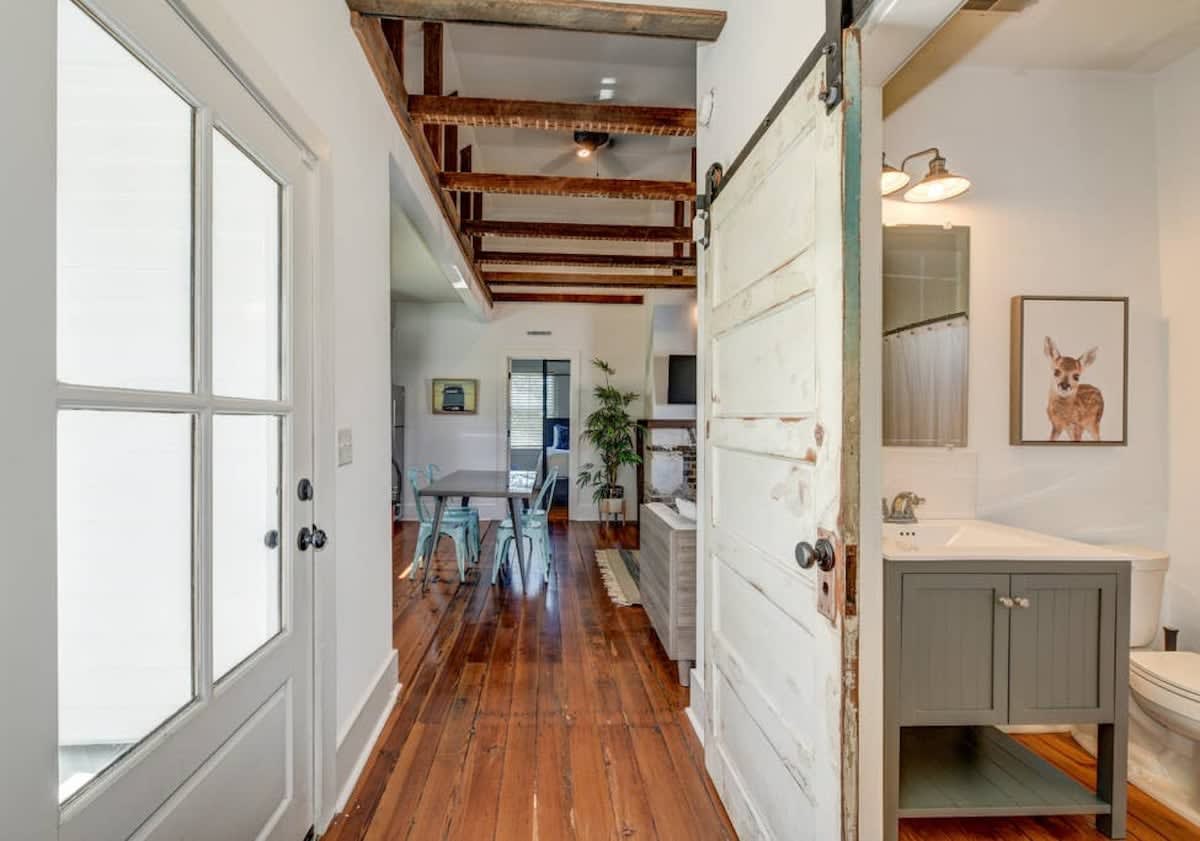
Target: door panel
779 303
235 762
1062 648
954 649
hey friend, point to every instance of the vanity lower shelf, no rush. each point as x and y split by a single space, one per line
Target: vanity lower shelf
979 771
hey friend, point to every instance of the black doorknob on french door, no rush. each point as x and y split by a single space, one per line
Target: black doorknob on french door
314 537
821 555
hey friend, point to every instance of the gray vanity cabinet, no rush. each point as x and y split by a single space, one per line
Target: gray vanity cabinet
1061 653
955 671
971 646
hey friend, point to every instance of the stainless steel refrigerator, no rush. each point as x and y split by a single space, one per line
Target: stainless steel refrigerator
398 451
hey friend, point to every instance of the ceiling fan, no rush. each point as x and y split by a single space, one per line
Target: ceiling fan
592 148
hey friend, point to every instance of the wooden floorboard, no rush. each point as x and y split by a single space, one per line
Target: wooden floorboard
546 712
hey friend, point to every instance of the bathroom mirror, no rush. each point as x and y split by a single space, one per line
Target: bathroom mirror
926 326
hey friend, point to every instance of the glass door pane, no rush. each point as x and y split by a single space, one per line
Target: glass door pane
246 275
246 537
124 216
124 583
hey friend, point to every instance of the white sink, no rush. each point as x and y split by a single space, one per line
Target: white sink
934 540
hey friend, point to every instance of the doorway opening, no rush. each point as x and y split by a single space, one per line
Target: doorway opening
539 424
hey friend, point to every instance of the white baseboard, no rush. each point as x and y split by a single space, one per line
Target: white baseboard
695 709
357 741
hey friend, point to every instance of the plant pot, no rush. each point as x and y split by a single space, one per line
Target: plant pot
612 507
614 492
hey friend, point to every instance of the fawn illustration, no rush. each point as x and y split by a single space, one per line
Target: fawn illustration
1073 407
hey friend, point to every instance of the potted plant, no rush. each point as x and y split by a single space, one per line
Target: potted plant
609 429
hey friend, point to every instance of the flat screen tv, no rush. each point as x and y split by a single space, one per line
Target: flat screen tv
681 380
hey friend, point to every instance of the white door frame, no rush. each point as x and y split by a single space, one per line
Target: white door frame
573 356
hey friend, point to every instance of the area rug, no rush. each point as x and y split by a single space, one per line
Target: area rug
621 572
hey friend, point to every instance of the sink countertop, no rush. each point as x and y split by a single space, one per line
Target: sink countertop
980 540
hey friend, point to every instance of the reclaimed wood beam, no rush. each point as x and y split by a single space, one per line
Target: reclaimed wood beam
552 116
568 279
564 298
575 230
557 185
608 261
393 31
464 199
574 15
369 32
434 59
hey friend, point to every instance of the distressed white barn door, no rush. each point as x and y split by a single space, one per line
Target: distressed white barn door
782 311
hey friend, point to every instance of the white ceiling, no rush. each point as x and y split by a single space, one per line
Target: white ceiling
416 276
511 63
1141 36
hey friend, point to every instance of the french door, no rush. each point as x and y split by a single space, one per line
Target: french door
781 513
184 429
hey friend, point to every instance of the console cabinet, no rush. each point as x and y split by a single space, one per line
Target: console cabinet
668 581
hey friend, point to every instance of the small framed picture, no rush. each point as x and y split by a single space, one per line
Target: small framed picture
1069 371
455 397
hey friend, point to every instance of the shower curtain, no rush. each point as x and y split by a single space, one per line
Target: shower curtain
925 385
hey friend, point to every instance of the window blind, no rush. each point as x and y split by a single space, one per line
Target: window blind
525 410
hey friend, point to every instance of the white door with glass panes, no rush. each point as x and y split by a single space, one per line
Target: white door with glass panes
184 294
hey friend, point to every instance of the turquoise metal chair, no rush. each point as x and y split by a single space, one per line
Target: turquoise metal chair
535 528
457 512
459 530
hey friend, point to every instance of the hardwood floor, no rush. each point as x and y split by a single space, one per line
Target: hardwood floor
545 713
548 714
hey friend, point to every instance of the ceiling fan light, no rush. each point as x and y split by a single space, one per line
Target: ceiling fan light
583 152
939 185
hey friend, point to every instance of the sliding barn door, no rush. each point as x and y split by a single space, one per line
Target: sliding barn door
781 306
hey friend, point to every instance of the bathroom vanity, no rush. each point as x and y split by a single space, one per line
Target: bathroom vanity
988 626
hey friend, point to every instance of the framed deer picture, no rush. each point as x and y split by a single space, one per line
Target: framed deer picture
1069 371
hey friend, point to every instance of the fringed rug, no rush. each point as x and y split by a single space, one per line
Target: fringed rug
621 572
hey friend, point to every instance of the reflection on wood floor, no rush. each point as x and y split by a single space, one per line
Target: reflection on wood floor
550 714
547 714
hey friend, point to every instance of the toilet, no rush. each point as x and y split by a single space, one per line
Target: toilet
1164 716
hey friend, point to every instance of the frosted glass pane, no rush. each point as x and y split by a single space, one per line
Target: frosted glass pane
245 275
124 582
124 216
246 513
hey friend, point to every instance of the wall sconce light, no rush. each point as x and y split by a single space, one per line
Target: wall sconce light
892 179
938 184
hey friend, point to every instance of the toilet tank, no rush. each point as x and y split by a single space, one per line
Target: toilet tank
1146 592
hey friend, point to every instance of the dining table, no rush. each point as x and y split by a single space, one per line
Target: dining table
515 486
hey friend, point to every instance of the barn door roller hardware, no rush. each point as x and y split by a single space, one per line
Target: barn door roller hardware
839 16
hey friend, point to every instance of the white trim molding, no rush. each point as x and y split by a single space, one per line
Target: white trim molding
357 740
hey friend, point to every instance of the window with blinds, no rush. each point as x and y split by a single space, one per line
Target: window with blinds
526 409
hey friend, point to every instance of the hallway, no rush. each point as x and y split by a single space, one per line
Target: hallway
554 716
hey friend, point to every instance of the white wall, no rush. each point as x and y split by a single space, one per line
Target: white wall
446 340
1177 119
1063 202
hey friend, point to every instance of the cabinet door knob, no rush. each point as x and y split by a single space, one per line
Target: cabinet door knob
1022 602
1005 601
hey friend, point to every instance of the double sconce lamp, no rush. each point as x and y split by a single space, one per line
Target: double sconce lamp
938 185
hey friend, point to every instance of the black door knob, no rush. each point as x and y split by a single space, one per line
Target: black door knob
314 537
821 555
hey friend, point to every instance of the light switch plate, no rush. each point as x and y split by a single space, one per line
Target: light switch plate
345 447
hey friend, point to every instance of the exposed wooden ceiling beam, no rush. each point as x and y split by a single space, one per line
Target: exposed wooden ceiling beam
608 261
555 185
568 279
574 15
575 230
564 298
379 56
552 116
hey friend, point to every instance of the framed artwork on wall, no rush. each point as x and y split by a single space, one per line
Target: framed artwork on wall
455 397
1069 371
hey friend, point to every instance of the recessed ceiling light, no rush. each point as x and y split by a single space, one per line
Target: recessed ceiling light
606 94
460 282
608 80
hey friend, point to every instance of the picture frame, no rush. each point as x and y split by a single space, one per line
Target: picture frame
454 396
1069 371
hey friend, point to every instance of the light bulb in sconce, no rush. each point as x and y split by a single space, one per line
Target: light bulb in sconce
939 183
891 179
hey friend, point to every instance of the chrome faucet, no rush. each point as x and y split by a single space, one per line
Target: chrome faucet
901 509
